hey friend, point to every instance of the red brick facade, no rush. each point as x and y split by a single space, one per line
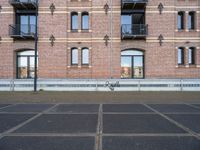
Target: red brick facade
104 60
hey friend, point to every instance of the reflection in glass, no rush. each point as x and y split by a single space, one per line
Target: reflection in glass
126 67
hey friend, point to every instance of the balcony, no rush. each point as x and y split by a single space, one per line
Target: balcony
134 31
24 4
133 4
21 31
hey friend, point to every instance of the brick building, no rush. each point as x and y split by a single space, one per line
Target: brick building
100 38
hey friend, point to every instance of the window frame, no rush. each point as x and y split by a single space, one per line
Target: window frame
182 57
88 58
82 21
181 14
72 63
192 52
72 25
192 15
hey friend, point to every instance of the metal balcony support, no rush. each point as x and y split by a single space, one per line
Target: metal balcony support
132 31
132 4
24 4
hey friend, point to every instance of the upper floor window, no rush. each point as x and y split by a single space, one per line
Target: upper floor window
180 56
85 21
180 20
191 20
74 56
191 55
74 21
85 56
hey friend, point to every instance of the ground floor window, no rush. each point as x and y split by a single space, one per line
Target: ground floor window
132 64
25 64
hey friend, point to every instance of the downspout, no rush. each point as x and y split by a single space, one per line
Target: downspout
36 47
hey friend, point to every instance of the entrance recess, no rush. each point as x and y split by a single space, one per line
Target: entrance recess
132 64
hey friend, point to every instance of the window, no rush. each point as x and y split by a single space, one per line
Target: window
85 21
74 56
85 56
25 64
74 21
180 20
26 24
191 56
180 56
191 21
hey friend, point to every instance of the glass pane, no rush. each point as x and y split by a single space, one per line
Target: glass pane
85 22
131 52
22 67
85 56
23 24
74 56
138 66
32 67
25 53
74 22
126 21
180 56
32 24
126 67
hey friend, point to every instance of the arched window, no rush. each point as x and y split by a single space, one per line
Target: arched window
25 64
191 55
85 56
191 20
180 20
74 56
132 64
74 21
181 55
85 21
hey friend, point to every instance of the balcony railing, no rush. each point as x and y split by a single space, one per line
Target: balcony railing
131 4
131 31
24 4
22 31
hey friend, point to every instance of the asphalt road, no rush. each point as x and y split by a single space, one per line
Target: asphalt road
59 126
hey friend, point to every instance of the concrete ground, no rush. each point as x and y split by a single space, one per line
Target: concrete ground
100 97
59 126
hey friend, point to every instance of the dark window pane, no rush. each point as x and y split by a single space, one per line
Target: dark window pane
191 56
180 20
191 21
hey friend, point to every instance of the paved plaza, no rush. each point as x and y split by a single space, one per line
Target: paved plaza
62 126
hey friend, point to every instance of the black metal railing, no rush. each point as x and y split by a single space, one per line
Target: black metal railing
134 30
22 31
24 4
134 1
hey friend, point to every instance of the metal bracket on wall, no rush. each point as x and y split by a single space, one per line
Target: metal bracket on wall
106 7
106 39
52 40
160 8
0 8
160 38
52 8
0 39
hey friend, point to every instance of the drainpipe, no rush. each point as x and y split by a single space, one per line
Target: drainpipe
111 39
36 47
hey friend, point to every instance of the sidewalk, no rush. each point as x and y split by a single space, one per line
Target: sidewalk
100 97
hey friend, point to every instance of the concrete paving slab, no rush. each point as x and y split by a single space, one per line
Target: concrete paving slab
27 108
76 108
191 121
8 121
150 143
61 123
47 143
125 108
140 123
176 108
4 105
